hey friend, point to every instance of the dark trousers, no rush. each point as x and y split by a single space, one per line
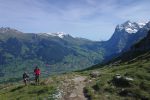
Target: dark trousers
25 80
37 79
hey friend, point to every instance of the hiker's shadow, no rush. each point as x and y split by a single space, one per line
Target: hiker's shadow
17 88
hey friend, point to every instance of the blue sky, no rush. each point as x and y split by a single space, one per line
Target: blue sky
92 19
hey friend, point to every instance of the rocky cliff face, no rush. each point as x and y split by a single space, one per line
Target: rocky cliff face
125 36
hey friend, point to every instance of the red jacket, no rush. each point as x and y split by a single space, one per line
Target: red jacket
37 72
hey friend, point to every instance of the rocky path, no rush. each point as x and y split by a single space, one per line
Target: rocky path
73 88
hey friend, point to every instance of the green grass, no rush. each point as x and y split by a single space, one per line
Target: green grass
29 92
102 88
47 90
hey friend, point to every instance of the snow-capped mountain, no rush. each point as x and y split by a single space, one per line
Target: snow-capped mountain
130 27
126 35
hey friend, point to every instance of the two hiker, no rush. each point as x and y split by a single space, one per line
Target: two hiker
36 73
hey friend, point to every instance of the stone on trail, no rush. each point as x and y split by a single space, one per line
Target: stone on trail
95 74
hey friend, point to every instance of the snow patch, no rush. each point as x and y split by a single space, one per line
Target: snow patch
142 24
129 30
131 27
57 34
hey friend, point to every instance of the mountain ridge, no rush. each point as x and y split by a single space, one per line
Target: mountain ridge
61 54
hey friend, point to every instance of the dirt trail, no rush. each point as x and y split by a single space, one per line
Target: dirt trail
74 88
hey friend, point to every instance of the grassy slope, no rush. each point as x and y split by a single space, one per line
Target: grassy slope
31 92
27 93
49 89
101 88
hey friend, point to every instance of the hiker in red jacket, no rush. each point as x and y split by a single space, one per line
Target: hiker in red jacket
37 74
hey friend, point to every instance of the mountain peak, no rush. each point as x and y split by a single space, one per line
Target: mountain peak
8 29
129 27
128 22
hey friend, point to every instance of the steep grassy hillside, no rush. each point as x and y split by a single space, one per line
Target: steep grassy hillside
124 77
105 87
